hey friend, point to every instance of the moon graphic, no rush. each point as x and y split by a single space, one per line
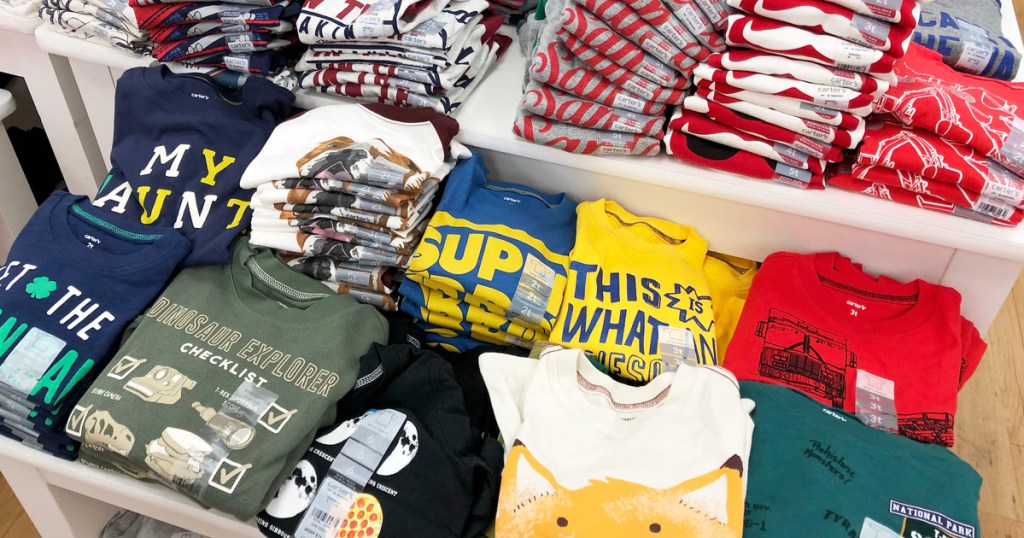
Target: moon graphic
404 451
296 493
340 433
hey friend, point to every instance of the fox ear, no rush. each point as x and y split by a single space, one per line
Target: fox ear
709 498
531 480
719 493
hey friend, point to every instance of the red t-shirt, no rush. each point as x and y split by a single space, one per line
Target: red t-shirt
985 114
816 322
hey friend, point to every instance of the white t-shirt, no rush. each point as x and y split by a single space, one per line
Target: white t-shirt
589 456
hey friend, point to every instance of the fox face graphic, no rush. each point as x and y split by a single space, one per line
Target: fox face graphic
532 503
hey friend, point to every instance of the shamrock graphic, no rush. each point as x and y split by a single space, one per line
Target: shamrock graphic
40 288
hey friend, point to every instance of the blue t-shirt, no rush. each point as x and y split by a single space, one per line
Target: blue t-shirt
181 144
501 245
74 278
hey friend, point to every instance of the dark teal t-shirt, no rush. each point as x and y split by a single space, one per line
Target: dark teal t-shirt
818 471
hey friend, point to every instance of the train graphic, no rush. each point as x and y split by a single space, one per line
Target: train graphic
804 356
934 428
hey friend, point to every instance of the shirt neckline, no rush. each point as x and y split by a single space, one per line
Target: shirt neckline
293 289
816 273
573 374
153 247
681 241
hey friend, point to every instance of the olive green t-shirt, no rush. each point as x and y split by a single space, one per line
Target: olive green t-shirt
223 382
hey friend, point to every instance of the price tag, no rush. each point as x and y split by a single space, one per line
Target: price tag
1002 184
349 473
30 359
873 31
626 125
628 102
792 172
676 346
238 63
993 208
533 292
1011 154
874 529
876 401
714 9
884 9
240 43
232 17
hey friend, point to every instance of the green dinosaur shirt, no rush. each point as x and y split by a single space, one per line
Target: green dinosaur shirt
819 471
224 380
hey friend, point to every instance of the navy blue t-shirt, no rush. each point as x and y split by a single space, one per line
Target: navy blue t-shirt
181 143
75 277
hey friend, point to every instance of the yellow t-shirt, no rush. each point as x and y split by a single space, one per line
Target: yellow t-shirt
634 281
729 278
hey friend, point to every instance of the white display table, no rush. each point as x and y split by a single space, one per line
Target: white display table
737 215
96 68
61 109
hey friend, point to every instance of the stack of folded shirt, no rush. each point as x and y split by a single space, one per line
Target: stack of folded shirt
492 264
343 192
251 36
108 22
791 91
603 72
417 53
953 143
969 37
75 278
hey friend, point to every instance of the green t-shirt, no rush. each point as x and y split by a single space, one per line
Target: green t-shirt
225 379
818 471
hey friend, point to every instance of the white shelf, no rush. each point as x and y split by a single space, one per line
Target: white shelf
150 499
55 42
22 25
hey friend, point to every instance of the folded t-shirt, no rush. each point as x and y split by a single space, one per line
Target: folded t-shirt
574 139
969 36
768 131
929 155
843 180
706 153
793 107
977 111
813 129
782 38
543 100
700 125
829 18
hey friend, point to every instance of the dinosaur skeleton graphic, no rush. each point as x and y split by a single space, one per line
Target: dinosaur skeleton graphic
930 157
955 102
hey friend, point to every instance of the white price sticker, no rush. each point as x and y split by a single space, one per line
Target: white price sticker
627 102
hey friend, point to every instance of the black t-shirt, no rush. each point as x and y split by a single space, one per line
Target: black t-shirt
436 479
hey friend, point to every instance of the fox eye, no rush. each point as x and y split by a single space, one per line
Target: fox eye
655 527
562 522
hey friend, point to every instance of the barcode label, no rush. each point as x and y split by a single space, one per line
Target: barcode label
993 208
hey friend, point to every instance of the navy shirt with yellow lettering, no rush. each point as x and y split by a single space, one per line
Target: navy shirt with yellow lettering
181 144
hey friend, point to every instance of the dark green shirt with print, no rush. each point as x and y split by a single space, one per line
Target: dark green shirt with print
818 471
225 379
